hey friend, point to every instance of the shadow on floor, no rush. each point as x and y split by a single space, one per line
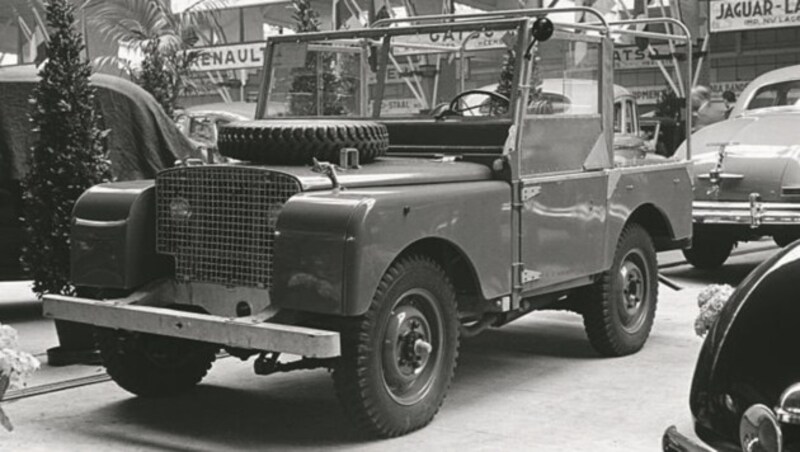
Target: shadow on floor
301 409
731 274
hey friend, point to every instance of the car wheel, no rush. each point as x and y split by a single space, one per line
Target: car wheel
708 252
151 366
620 308
299 141
399 358
783 240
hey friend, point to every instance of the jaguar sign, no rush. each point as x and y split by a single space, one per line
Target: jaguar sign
731 15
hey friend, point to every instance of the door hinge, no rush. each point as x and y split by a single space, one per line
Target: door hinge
527 276
531 192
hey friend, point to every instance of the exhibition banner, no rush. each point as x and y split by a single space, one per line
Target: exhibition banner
732 15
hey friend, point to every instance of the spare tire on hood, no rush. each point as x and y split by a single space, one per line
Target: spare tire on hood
297 141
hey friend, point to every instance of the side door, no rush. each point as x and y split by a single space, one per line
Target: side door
564 154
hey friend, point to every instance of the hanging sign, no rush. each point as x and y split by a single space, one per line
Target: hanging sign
234 56
731 15
630 57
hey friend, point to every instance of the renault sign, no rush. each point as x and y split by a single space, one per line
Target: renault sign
731 15
226 57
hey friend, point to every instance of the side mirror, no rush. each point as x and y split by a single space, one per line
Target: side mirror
788 409
542 29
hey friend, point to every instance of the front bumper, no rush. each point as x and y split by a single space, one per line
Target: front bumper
252 332
684 438
753 213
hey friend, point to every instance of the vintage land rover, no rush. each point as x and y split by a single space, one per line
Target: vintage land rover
366 227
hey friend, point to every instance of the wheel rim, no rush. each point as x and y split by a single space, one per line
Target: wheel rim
634 298
411 350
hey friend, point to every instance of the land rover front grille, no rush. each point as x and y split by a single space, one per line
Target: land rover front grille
219 222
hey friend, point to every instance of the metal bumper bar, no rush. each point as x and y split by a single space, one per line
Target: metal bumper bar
753 213
243 332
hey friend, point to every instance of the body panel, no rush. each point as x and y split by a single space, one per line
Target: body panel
663 187
389 171
113 237
374 226
563 227
758 150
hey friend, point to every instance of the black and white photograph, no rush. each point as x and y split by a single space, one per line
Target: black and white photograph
392 225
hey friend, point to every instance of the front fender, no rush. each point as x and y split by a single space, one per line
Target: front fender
113 237
749 354
333 247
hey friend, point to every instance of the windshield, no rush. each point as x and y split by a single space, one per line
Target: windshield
777 95
423 73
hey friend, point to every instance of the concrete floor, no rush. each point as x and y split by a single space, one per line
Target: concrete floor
535 384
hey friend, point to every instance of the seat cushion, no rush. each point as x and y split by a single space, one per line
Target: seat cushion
449 136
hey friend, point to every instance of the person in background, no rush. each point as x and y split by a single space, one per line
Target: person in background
704 112
729 98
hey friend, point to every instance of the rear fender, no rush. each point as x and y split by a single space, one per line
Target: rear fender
659 197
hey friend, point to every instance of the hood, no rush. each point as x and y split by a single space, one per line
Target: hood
391 172
749 355
762 156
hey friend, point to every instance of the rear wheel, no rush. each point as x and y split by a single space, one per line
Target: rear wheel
783 240
149 365
708 252
399 358
620 308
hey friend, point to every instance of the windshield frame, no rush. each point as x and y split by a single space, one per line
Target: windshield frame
383 37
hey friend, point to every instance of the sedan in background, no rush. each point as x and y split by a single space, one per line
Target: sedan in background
747 171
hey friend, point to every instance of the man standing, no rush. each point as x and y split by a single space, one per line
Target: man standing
729 98
704 112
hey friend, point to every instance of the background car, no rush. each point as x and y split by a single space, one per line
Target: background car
743 395
142 141
747 171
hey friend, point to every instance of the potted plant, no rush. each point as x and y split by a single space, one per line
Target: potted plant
15 367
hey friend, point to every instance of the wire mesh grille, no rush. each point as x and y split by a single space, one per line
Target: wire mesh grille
219 222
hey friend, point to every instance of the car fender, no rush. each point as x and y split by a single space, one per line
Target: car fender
748 355
658 197
113 236
333 247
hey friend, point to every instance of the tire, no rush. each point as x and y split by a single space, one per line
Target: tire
379 389
708 252
154 366
784 240
619 310
297 141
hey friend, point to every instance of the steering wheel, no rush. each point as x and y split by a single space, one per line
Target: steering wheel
454 109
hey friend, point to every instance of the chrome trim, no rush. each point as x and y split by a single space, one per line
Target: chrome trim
788 409
746 213
675 441
99 223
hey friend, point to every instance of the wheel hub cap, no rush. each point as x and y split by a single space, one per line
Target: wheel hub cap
410 348
635 287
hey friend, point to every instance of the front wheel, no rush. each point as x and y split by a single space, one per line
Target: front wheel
151 366
620 308
399 358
